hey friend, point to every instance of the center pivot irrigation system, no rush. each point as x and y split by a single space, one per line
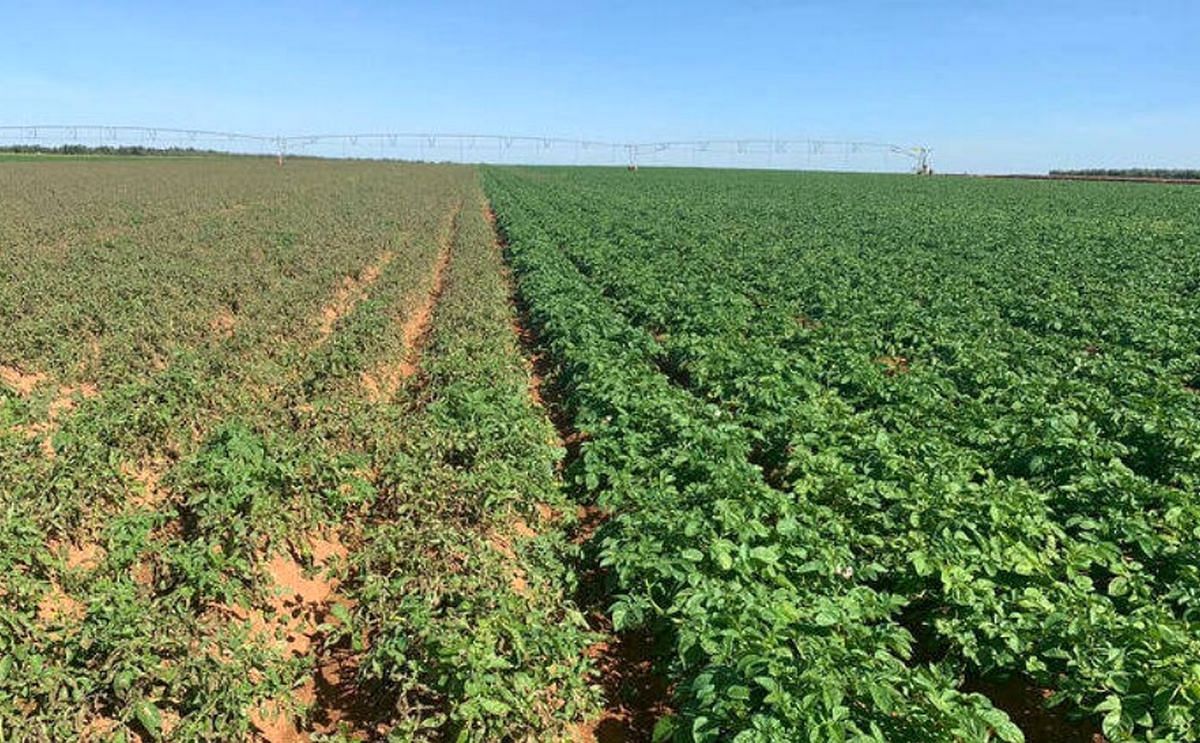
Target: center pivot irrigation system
492 148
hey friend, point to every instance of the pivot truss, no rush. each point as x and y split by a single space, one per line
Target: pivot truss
466 147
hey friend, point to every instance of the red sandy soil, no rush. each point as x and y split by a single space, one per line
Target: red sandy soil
300 605
20 381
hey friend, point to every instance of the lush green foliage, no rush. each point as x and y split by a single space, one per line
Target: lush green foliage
185 407
871 441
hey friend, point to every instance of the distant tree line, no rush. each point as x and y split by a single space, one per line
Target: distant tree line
1177 174
80 149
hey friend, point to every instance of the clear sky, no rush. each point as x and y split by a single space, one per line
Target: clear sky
990 85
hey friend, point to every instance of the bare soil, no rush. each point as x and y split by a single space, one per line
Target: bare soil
20 381
147 476
64 401
223 323
893 365
636 697
1025 704
301 600
86 556
57 607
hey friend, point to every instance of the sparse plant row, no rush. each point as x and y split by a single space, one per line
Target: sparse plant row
143 560
860 378
463 578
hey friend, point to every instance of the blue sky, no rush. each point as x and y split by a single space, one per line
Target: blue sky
991 86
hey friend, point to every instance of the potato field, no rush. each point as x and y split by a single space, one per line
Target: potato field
885 455
350 450
269 465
